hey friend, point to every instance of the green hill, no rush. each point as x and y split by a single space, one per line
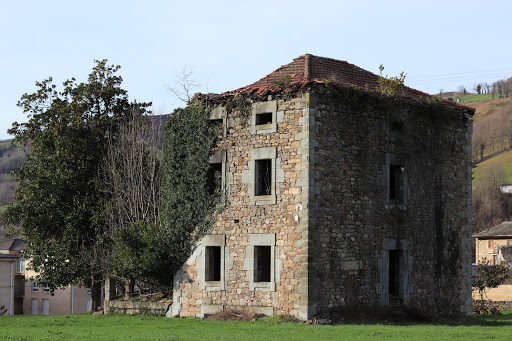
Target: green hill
504 160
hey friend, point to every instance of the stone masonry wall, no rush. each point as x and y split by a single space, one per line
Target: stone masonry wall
247 218
355 225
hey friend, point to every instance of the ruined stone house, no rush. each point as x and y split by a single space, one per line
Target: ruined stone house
339 197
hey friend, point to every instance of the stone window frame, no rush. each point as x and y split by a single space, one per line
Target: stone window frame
390 244
262 239
211 240
398 160
221 157
220 113
263 108
249 175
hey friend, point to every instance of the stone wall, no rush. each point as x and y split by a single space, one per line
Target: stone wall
329 220
356 226
280 218
136 307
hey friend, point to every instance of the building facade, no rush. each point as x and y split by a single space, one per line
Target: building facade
21 295
339 197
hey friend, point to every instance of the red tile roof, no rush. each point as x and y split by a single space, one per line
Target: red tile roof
309 69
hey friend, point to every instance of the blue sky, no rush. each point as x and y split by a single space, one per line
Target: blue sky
230 44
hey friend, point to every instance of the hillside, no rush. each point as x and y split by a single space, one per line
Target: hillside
503 160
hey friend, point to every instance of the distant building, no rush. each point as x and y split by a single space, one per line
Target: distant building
506 189
339 198
488 242
494 246
21 295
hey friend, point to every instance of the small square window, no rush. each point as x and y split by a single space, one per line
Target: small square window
263 183
262 263
217 124
212 263
46 290
263 118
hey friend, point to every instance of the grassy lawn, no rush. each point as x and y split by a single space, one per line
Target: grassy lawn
124 327
504 160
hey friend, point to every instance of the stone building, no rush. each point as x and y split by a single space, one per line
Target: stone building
494 246
489 241
339 197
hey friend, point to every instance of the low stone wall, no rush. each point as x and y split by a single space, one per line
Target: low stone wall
500 305
137 307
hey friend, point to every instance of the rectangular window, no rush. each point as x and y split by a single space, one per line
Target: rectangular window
46 290
212 263
262 263
217 124
394 273
263 119
509 242
35 286
396 178
263 178
20 266
491 244
215 178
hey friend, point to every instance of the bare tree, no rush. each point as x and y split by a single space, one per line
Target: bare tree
462 89
184 85
131 173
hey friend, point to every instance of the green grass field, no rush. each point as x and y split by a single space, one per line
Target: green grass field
477 98
124 327
504 160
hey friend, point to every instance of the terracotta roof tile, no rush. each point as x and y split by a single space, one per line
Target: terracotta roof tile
308 69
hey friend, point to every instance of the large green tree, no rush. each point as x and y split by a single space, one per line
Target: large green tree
58 199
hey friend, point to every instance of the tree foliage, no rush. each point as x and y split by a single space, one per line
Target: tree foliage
188 207
489 277
58 198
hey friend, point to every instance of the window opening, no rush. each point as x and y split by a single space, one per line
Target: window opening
263 118
20 265
212 267
396 174
215 178
217 126
394 273
263 184
35 286
262 263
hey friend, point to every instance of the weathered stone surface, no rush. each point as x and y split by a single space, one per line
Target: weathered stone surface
336 229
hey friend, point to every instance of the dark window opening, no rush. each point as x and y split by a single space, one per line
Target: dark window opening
265 118
262 264
218 127
215 178
394 273
396 178
263 183
212 263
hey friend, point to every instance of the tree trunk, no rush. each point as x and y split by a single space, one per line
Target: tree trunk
128 288
96 296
